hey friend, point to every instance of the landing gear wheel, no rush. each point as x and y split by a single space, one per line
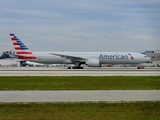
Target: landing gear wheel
77 68
69 67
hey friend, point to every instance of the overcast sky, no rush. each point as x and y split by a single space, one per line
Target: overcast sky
81 25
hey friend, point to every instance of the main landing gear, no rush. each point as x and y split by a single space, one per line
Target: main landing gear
76 66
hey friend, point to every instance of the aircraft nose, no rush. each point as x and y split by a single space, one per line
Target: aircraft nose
148 59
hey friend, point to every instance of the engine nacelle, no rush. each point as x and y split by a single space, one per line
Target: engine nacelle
93 63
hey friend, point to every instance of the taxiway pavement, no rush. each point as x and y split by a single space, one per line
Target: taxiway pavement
42 71
80 96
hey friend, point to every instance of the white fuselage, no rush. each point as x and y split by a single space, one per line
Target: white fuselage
103 57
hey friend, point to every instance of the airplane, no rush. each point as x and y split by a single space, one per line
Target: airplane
33 64
91 59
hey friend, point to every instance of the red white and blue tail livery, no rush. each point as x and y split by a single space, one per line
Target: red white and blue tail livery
22 51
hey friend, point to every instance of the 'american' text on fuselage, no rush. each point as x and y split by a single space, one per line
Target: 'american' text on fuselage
116 56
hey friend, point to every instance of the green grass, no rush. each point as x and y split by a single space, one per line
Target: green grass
81 111
81 83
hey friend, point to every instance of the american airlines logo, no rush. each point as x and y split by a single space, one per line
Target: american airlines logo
116 56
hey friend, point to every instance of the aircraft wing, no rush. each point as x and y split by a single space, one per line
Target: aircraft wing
72 58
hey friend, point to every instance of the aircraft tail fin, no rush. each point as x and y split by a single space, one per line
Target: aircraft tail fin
21 50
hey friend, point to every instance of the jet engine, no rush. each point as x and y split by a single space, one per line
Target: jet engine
93 63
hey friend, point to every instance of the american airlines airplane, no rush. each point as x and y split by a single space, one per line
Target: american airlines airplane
91 59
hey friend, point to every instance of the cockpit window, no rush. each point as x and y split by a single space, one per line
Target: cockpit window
145 56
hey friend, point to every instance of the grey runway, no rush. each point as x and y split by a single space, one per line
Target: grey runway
80 96
40 71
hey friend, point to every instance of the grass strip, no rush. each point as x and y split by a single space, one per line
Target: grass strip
80 83
81 111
